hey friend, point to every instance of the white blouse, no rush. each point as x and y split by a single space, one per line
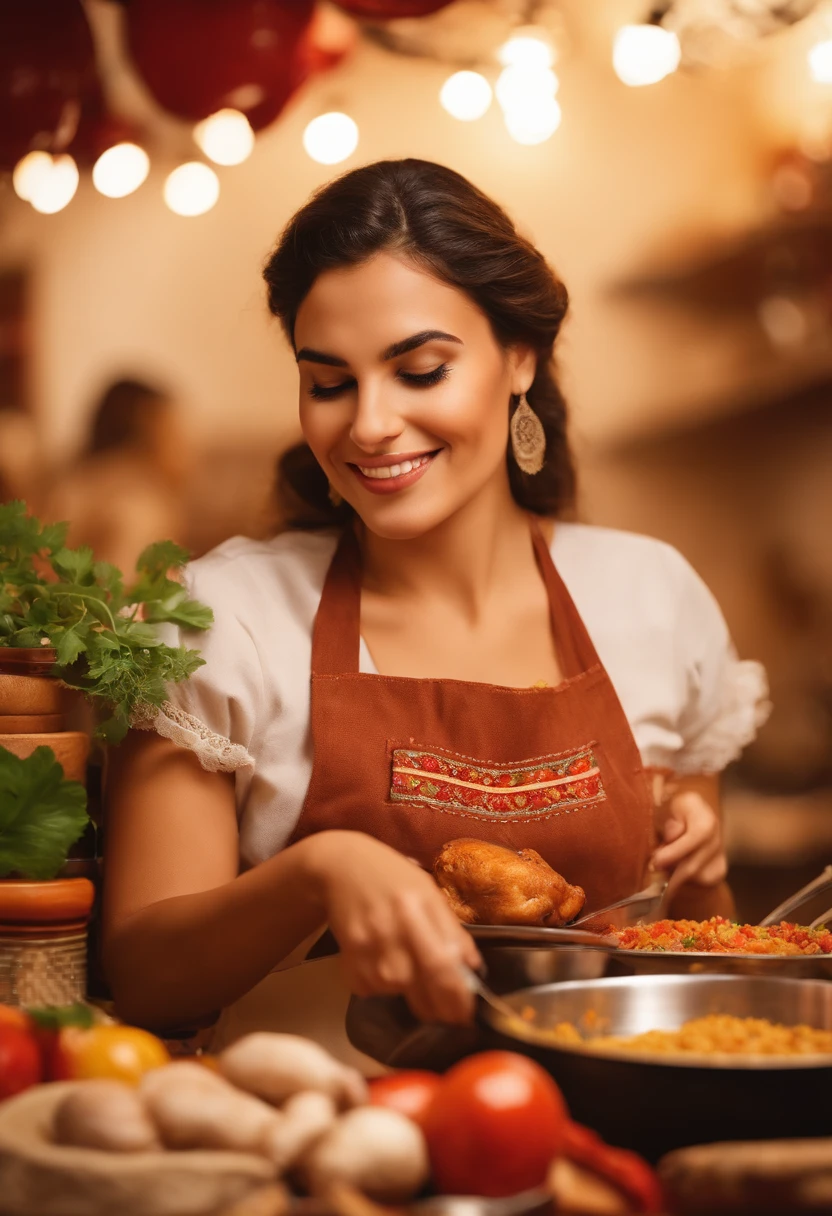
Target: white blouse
691 704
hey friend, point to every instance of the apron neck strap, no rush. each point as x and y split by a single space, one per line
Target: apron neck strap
336 635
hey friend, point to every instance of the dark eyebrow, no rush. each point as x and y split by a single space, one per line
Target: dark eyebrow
398 348
317 356
409 344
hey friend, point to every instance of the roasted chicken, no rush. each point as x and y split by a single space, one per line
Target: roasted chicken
487 884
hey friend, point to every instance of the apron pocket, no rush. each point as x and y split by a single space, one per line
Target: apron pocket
536 788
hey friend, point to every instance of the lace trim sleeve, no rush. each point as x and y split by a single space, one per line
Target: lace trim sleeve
215 753
744 707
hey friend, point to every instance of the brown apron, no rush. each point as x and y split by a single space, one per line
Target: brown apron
417 762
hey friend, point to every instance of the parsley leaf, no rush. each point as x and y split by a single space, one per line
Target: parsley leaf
41 814
103 634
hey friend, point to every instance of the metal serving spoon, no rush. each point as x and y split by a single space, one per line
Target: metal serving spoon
643 905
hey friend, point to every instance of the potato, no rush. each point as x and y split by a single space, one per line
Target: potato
105 1114
276 1066
193 1107
375 1150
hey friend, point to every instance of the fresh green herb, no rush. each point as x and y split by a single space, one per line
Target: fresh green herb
41 814
55 1017
687 942
103 634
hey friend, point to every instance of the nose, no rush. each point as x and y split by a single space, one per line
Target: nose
375 422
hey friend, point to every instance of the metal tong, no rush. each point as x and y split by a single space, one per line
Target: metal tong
822 883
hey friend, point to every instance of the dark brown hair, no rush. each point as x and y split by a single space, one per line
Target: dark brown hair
436 218
121 416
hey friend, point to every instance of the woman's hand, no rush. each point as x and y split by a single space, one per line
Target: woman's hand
692 847
395 929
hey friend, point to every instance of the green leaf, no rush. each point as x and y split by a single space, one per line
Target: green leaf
75 564
158 558
68 646
55 1017
41 814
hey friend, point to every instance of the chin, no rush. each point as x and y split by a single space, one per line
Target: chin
402 521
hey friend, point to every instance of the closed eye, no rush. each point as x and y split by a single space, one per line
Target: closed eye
418 379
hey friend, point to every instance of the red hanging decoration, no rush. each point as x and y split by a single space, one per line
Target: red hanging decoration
200 56
382 10
47 64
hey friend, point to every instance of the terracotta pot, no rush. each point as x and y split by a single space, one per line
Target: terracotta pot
27 660
61 905
29 694
31 724
43 940
71 748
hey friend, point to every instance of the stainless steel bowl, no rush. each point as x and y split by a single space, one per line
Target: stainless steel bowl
656 1103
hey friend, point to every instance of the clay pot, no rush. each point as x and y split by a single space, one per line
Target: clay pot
71 748
31 700
43 940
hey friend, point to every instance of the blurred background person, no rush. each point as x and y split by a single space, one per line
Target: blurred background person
125 490
21 463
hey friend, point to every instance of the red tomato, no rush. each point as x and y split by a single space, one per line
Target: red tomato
20 1064
495 1125
12 1016
410 1093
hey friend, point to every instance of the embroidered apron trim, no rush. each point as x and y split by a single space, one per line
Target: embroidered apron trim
534 787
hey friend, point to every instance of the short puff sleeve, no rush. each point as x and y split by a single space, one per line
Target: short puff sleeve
727 698
214 713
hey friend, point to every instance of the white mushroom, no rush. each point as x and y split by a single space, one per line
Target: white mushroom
193 1107
376 1150
107 1115
305 1119
276 1066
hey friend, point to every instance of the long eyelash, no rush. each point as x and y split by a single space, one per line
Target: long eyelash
418 379
425 379
322 394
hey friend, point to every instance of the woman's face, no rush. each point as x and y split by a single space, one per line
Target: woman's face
404 393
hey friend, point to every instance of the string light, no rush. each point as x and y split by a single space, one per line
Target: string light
53 188
192 189
526 49
225 137
120 170
645 54
820 62
466 95
28 170
330 138
518 88
533 124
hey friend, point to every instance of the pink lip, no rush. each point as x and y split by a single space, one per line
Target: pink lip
391 485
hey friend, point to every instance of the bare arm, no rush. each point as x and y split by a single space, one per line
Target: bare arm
185 935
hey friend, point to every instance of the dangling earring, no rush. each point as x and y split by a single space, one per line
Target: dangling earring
528 439
334 497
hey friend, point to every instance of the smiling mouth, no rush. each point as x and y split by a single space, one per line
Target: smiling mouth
387 471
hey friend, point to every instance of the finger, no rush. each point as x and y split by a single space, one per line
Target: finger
672 830
437 958
696 835
694 866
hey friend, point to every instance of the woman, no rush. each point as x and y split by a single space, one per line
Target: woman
421 589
